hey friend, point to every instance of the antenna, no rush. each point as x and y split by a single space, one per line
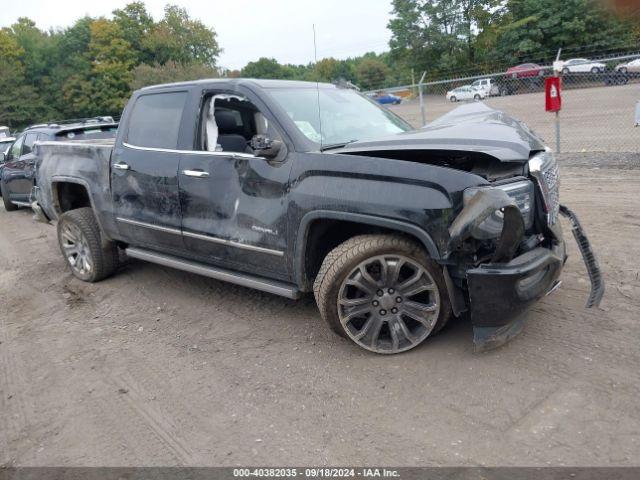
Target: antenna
315 55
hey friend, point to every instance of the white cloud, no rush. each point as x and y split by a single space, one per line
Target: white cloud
247 29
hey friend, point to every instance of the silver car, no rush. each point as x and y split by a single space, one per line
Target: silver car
632 66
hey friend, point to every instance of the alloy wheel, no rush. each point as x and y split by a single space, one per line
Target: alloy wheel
76 249
388 304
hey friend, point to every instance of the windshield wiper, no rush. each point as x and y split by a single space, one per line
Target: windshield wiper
337 145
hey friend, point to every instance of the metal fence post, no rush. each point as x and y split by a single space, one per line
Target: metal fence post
557 132
420 84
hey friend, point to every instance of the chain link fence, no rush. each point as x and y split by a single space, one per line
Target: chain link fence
599 101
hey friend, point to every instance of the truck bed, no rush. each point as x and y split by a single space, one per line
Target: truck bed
81 162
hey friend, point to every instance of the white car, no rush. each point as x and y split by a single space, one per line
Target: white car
467 92
582 65
630 67
487 86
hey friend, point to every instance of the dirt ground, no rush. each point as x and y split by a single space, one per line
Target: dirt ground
160 367
599 119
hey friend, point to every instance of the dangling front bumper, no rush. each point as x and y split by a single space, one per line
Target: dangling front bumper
501 291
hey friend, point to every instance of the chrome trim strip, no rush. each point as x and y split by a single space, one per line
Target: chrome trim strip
149 225
20 204
275 287
192 152
198 236
231 243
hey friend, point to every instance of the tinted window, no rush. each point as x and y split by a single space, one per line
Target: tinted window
29 140
155 120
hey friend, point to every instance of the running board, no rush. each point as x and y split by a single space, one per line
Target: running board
258 283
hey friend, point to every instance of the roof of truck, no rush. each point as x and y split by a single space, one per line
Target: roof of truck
261 83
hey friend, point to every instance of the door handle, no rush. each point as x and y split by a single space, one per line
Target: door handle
195 173
121 166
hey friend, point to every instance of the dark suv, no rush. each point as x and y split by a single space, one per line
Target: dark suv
17 176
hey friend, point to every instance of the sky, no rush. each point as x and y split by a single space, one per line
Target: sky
247 29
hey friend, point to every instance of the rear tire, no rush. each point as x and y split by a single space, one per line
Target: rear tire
476 97
8 206
595 70
90 257
401 298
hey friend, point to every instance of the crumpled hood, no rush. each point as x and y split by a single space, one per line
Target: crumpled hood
472 127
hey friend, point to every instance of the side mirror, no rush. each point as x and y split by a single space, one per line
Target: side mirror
264 146
3 157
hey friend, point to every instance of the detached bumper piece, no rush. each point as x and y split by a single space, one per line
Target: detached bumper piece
593 269
500 293
38 213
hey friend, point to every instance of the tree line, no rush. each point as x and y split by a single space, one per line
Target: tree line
91 67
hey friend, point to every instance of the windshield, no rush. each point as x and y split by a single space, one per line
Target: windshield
346 116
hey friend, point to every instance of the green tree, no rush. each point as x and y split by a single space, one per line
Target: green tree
144 75
135 24
536 29
179 38
104 89
372 74
440 35
264 68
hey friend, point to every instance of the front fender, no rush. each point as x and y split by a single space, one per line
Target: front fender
400 226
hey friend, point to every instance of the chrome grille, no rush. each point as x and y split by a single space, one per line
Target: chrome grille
551 176
544 168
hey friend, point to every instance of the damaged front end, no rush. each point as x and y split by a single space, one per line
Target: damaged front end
507 250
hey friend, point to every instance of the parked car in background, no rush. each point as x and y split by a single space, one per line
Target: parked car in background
4 132
632 66
526 70
384 98
487 86
466 92
5 144
582 65
18 172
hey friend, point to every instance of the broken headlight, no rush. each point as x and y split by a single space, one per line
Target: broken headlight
522 194
544 168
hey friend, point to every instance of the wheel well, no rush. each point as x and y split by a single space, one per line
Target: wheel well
69 196
325 234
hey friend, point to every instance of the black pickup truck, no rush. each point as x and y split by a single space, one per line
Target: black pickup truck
293 187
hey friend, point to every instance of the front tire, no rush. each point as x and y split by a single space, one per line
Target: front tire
90 257
476 97
383 292
453 99
8 206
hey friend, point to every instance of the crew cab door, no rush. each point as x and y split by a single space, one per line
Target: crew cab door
144 172
20 167
233 202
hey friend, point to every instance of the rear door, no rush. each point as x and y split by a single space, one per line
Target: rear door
14 172
144 172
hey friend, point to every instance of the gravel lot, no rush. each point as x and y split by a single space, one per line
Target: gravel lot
599 119
159 367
